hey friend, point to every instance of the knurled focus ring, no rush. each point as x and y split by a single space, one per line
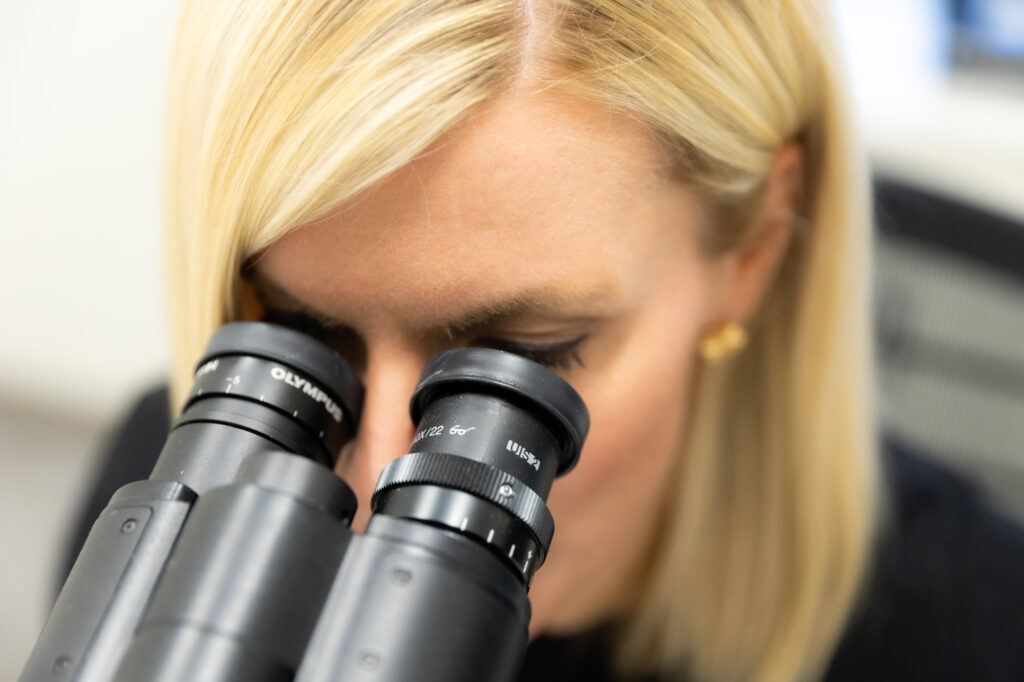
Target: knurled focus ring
471 476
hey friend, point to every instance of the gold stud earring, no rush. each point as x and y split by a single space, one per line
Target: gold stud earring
727 340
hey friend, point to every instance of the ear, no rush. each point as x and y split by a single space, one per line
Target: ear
750 268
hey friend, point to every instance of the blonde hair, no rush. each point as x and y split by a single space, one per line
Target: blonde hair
278 113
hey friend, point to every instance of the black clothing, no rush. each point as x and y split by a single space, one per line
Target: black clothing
945 601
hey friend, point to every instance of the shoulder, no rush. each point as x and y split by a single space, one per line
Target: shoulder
945 600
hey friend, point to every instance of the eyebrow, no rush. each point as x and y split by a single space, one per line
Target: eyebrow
543 301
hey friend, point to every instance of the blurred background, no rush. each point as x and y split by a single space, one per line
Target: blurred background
939 94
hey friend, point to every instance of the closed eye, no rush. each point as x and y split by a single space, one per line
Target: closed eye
563 355
338 337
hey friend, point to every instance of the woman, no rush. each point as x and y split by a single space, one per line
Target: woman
629 192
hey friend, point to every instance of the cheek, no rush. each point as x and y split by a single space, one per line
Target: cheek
636 428
607 509
638 414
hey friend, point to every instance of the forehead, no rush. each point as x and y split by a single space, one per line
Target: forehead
530 193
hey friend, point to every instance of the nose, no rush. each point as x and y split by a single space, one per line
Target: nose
385 428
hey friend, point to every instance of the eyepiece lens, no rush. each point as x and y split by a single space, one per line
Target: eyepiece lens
493 431
280 382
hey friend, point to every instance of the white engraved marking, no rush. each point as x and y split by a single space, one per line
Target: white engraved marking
309 388
512 551
490 536
522 452
429 432
207 368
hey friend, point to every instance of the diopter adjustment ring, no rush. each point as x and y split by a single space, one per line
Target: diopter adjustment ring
471 476
286 346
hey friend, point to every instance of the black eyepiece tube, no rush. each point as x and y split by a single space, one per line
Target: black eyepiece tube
258 387
544 395
248 578
435 590
493 431
235 561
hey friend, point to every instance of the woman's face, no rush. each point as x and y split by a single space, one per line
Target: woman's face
548 228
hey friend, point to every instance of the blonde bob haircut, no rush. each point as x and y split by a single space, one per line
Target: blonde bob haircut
278 112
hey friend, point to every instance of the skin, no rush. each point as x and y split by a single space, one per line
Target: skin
538 221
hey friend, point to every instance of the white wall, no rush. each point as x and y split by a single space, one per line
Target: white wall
81 321
81 86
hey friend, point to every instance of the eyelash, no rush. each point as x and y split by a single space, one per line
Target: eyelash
298 321
563 355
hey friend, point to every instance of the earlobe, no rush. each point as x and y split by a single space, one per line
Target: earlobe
730 339
757 260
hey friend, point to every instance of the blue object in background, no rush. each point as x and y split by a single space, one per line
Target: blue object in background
988 33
